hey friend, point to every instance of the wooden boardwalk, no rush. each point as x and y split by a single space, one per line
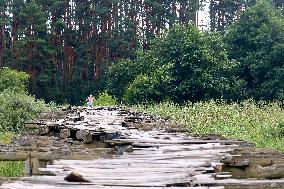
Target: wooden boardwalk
155 159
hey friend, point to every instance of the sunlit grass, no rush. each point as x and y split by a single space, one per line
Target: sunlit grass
261 123
10 168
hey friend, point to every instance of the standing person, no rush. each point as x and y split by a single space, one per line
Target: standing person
90 101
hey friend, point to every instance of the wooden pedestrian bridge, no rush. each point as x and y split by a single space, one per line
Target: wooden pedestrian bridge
112 147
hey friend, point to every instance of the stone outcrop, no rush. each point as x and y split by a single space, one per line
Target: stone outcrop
254 163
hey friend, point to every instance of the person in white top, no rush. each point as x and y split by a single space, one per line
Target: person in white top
90 101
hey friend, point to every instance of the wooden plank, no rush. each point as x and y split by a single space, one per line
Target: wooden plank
86 186
191 141
145 162
137 183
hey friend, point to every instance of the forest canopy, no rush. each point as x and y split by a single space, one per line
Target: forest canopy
145 50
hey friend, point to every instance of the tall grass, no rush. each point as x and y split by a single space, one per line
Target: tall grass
10 168
261 123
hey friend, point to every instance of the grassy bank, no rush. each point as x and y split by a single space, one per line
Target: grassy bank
10 168
260 123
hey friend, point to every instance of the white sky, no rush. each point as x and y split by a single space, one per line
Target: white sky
203 17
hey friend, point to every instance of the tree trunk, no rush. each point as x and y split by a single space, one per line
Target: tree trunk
2 44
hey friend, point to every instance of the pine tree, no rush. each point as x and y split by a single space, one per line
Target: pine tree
3 24
66 44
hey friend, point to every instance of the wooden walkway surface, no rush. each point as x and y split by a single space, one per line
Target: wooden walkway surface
156 159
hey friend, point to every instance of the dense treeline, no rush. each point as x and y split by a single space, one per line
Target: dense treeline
71 48
244 61
64 44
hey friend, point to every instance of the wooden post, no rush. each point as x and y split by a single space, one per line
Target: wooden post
32 165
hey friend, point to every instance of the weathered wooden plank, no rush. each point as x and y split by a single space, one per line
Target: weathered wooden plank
60 180
135 166
119 172
139 162
14 156
87 186
44 154
192 141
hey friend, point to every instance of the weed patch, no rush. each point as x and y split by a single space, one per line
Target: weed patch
260 123
10 168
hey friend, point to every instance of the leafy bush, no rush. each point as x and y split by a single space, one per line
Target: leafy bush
201 69
13 80
123 72
139 90
182 64
17 108
152 88
261 123
104 99
119 75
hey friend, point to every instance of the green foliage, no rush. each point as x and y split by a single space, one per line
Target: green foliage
64 45
13 80
64 55
17 108
261 123
140 90
257 42
10 168
120 74
104 99
189 66
152 87
280 132
6 137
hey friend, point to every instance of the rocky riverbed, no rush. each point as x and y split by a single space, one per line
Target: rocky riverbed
114 147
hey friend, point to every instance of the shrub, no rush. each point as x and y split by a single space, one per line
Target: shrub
149 88
13 80
17 108
104 99
190 65
119 75
123 72
138 90
200 67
